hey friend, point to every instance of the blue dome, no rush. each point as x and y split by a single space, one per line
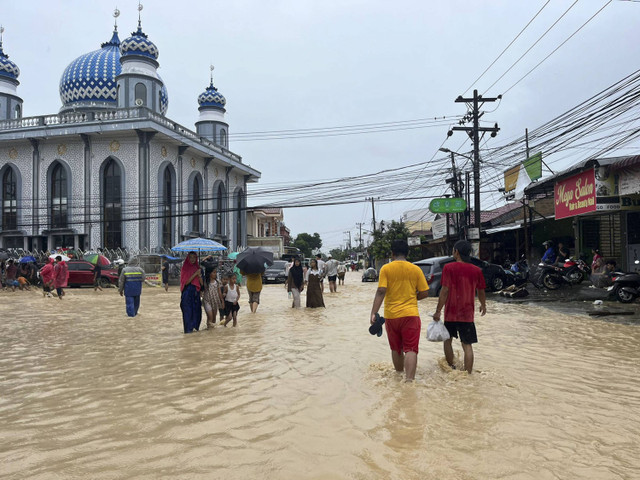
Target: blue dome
139 44
92 76
8 69
211 98
164 99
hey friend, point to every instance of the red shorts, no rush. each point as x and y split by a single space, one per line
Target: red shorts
403 333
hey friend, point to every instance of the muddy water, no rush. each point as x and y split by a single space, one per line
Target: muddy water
86 392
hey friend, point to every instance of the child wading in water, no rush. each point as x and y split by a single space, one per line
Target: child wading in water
231 298
212 297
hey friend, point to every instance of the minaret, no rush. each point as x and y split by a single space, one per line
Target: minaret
139 84
211 123
10 102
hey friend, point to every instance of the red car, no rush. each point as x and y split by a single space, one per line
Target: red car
81 274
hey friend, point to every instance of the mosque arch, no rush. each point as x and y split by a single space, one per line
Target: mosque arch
10 195
223 138
195 187
140 94
239 206
112 188
58 193
167 204
219 207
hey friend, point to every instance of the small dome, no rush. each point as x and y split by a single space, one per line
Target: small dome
139 44
211 98
8 69
92 77
164 100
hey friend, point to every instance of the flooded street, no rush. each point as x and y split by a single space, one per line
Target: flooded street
86 392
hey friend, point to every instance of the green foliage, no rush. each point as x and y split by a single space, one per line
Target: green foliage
380 248
338 254
307 243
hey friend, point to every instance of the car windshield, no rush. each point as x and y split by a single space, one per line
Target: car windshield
278 265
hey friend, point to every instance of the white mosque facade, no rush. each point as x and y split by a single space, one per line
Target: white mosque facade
110 169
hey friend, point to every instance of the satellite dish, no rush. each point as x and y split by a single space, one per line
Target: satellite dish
139 102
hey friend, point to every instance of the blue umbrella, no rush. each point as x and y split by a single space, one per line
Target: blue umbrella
28 259
198 245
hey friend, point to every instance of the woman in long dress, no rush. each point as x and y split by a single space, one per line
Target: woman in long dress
190 285
295 282
314 287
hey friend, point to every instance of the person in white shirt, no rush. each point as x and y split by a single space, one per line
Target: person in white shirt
320 263
331 270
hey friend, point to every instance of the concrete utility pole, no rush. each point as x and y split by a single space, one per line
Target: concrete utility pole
359 225
373 211
473 132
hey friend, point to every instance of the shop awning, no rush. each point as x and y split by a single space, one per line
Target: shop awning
503 228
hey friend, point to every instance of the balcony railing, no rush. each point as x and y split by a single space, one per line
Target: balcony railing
101 117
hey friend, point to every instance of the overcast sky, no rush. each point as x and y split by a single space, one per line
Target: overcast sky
299 64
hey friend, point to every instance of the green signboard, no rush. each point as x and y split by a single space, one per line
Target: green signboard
533 166
448 205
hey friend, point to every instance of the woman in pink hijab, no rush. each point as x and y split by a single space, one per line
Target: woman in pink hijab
47 275
190 285
61 276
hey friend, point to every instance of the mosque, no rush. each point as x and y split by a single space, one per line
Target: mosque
110 169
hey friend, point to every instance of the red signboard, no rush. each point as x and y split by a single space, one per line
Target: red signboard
576 195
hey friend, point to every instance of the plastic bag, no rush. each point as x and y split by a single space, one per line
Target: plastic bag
437 332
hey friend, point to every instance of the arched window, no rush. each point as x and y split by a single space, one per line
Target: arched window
112 205
239 205
167 214
17 113
220 210
195 205
141 94
223 138
59 200
9 200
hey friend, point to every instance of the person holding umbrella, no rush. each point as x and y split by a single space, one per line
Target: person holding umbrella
251 263
190 286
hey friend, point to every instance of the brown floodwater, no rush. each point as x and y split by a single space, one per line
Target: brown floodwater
87 392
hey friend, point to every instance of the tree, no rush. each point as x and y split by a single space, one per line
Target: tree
381 246
307 243
338 254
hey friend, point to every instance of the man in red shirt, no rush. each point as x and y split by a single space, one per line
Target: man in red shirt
460 281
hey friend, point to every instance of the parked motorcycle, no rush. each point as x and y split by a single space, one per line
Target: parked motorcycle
552 277
626 286
518 274
576 271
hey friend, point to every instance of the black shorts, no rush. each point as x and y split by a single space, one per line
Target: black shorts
229 307
467 331
332 278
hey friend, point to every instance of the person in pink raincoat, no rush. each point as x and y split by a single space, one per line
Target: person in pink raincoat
47 274
61 276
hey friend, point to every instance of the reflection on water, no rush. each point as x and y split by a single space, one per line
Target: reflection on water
87 392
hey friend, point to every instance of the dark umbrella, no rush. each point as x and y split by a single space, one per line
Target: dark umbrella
28 259
253 260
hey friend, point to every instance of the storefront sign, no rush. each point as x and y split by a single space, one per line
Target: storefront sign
413 241
447 205
575 195
630 180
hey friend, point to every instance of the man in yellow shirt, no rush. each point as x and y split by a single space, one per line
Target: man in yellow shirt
401 285
254 287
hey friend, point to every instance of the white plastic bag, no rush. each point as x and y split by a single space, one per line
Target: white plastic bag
437 332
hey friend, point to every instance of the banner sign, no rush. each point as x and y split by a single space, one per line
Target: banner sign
447 205
511 178
575 195
533 166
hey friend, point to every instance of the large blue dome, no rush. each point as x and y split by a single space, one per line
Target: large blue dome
8 69
90 80
211 98
139 44
92 77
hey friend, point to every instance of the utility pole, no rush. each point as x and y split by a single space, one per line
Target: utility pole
360 237
455 194
474 133
373 211
349 242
